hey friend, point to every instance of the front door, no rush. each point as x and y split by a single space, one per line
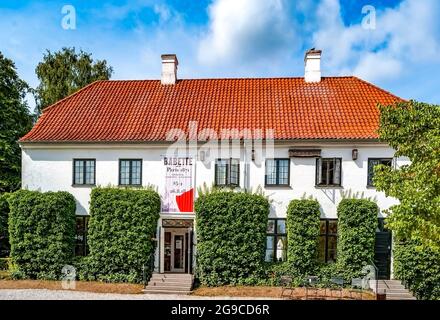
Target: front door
178 253
382 252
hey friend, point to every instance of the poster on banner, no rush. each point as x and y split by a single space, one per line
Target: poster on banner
179 188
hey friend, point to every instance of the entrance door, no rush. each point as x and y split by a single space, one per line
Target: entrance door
382 252
178 253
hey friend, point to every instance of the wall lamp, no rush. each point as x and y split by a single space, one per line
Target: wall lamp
354 154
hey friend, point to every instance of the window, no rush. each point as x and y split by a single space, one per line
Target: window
372 162
277 172
328 171
83 171
227 172
276 240
81 236
328 239
130 172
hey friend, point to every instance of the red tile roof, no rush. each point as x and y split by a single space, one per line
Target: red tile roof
145 110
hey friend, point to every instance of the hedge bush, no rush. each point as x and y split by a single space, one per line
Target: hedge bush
303 235
357 223
231 237
4 234
419 268
41 233
121 229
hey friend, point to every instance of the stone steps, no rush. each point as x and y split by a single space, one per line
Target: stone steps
163 283
394 290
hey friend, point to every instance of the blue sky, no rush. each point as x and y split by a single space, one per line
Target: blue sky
238 38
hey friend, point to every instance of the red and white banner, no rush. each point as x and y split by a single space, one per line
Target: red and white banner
179 185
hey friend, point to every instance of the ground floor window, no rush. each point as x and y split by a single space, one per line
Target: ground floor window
328 239
276 240
81 236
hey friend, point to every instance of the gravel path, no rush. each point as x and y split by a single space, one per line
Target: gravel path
44 294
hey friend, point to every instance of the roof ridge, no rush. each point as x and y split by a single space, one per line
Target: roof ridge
224 78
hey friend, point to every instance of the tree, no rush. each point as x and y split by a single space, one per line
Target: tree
15 121
413 130
65 72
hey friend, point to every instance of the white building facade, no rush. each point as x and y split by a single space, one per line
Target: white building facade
116 133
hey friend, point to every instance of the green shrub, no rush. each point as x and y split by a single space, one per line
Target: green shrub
231 237
419 268
303 235
357 223
121 229
4 234
5 263
41 233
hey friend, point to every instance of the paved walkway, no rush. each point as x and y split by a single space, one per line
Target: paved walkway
44 294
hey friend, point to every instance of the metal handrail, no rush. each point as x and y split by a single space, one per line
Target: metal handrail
376 271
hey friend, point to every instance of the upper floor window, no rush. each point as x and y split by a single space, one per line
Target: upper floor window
328 240
276 240
277 172
227 172
84 171
328 171
372 162
130 172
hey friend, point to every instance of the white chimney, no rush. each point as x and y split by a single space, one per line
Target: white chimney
312 62
169 69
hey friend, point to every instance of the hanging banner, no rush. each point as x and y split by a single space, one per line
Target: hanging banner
179 189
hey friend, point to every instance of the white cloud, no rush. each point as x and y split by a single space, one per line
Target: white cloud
245 29
405 35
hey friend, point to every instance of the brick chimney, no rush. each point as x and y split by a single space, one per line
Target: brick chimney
169 69
312 62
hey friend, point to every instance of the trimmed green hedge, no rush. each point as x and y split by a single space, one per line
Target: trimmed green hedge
231 237
41 233
121 229
357 223
419 268
5 264
303 235
4 234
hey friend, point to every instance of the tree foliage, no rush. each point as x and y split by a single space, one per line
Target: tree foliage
4 234
15 121
418 267
64 72
413 130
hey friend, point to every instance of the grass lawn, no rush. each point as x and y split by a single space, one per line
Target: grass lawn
274 292
89 286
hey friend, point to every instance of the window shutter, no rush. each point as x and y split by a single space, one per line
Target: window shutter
337 173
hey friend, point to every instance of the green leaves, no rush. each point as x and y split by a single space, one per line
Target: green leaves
419 267
302 235
231 236
357 223
121 227
65 72
4 214
413 129
15 122
41 232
